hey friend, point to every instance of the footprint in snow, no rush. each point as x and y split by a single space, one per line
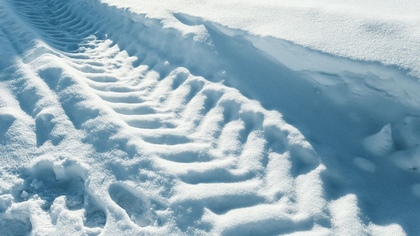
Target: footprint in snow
134 202
49 182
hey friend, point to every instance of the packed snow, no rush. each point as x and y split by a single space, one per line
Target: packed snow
209 117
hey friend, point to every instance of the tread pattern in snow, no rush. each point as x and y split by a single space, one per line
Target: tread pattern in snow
216 161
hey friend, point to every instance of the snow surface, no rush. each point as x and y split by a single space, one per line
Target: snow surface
373 30
179 118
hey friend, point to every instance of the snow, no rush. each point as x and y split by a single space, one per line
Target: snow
384 31
209 118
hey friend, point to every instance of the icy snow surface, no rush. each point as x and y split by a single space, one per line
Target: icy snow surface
199 118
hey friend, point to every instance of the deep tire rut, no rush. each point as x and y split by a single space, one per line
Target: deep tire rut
203 139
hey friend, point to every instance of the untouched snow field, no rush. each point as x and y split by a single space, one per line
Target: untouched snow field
199 118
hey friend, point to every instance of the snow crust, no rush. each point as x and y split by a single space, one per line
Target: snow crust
372 30
178 118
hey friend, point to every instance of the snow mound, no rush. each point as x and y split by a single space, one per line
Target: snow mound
380 143
383 31
399 142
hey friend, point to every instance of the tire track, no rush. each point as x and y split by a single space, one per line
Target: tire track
218 155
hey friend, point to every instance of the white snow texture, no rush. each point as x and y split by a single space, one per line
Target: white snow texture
199 118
